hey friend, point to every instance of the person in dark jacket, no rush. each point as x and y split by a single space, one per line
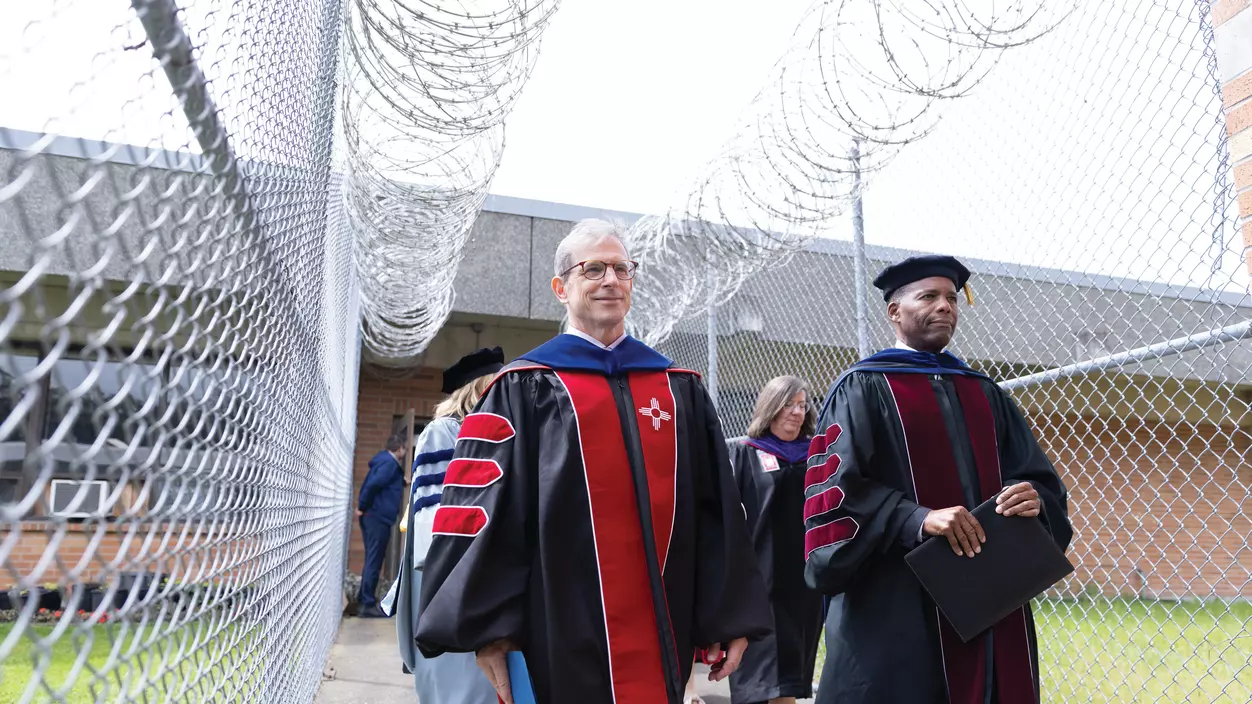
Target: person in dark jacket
769 471
377 510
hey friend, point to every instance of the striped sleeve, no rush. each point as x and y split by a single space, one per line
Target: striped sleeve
849 516
477 568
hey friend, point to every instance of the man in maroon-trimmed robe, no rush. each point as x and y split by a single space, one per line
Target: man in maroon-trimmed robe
909 441
590 517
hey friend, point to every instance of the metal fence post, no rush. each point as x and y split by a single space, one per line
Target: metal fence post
712 333
861 277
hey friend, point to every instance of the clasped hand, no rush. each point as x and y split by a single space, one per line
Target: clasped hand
963 531
493 661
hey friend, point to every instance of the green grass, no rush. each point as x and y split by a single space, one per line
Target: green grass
114 673
1091 650
1128 650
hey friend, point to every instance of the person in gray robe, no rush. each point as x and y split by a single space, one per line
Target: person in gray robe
451 678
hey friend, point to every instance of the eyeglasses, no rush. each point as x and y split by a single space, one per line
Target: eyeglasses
595 270
802 407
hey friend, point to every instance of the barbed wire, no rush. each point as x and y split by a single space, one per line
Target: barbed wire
859 80
427 87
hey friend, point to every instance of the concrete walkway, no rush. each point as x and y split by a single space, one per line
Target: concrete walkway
364 668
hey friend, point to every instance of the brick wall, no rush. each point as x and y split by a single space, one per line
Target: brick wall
379 401
1159 508
37 536
94 552
1232 20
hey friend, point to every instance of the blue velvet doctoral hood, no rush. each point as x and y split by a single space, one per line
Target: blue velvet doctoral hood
572 353
901 361
898 361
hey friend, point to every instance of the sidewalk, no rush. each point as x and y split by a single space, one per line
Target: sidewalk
366 667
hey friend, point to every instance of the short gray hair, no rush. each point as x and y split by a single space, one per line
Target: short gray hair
898 294
776 394
588 231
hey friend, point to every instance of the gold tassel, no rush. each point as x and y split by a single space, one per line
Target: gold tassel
969 295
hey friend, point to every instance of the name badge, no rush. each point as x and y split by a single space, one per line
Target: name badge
768 461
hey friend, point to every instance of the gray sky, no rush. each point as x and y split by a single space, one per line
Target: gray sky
62 59
629 99
1090 150
1093 150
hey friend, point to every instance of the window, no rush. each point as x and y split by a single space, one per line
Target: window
112 404
13 445
13 366
8 489
212 400
85 402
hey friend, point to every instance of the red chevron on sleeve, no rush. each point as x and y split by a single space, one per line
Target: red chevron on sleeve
487 427
820 443
827 500
832 533
821 472
467 521
473 473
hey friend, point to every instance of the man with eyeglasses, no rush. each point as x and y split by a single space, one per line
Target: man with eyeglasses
590 517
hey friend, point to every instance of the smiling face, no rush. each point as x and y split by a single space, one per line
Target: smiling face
924 314
787 422
596 306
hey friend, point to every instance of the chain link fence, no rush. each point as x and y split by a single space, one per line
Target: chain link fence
1087 184
178 351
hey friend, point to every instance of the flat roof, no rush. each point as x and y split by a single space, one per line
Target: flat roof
510 205
79 148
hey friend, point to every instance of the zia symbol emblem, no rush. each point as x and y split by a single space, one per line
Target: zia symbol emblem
655 413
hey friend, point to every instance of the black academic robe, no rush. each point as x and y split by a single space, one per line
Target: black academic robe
900 434
590 516
781 664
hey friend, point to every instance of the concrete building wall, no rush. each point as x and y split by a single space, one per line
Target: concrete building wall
1024 315
1161 456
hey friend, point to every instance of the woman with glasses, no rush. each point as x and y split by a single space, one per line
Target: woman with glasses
769 469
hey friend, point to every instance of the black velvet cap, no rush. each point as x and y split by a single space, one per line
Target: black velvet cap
913 269
471 366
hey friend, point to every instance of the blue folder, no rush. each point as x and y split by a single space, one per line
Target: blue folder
519 679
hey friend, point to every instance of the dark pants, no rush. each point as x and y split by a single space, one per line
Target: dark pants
375 533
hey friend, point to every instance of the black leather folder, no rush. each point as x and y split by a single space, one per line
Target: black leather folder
1017 563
